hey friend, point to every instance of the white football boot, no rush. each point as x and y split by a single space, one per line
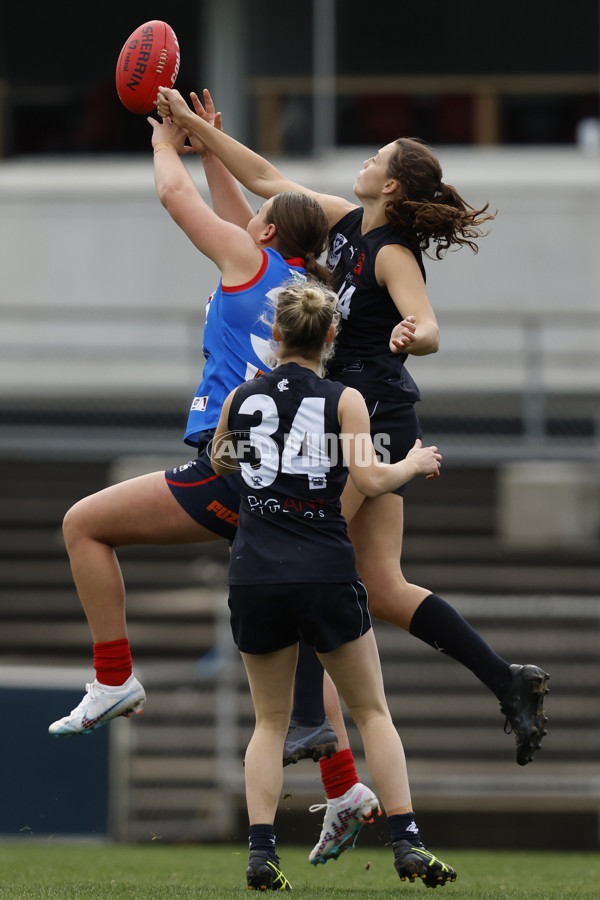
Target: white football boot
101 703
344 817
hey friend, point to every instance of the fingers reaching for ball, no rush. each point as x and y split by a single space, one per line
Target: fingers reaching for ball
171 105
162 106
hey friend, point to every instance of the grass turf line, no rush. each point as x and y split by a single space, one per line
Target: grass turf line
32 871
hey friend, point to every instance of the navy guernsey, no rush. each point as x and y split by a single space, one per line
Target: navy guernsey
291 528
362 356
237 342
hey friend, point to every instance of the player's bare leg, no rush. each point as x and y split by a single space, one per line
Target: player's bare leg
270 677
139 511
334 712
356 671
376 533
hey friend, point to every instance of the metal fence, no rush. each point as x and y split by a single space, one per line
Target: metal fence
501 387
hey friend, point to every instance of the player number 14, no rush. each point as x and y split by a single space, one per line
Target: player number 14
343 304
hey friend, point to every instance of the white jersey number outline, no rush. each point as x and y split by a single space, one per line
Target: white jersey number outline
343 304
304 450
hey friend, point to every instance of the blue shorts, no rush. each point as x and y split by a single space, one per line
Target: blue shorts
269 617
394 428
211 500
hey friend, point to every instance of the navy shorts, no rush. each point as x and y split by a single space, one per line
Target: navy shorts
269 617
211 500
394 429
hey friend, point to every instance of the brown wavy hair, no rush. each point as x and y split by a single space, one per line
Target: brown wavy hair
302 230
425 210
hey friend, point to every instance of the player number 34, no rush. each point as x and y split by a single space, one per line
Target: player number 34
304 449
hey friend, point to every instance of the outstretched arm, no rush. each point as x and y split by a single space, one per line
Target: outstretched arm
227 197
253 171
228 245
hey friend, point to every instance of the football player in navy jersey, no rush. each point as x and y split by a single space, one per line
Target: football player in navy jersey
292 572
376 247
255 253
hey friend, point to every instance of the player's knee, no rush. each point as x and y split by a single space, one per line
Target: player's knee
74 523
391 600
369 715
273 725
381 581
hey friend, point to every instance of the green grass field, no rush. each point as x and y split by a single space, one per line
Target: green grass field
31 871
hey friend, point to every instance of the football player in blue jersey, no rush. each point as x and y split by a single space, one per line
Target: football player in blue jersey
404 210
295 436
255 254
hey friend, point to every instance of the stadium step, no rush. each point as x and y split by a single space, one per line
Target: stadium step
182 773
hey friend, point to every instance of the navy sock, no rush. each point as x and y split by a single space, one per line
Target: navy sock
404 828
436 623
262 837
308 687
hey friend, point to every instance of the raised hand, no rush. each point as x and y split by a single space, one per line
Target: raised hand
171 105
166 131
208 114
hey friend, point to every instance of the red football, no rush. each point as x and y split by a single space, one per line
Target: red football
149 59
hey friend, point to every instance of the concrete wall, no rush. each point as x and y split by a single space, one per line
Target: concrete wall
101 293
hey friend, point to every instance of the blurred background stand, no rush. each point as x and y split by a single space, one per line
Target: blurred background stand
101 321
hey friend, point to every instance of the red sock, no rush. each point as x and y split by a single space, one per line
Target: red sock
112 662
338 773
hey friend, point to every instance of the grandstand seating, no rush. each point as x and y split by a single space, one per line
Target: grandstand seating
179 765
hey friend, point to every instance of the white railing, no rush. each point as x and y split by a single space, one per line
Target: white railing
532 367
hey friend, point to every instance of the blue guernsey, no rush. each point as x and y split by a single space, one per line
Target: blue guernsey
237 342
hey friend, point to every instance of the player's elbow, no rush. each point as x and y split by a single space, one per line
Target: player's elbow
368 481
428 344
223 463
429 340
220 464
221 469
434 341
164 195
172 197
269 182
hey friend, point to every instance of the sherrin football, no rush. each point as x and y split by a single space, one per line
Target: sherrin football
149 59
